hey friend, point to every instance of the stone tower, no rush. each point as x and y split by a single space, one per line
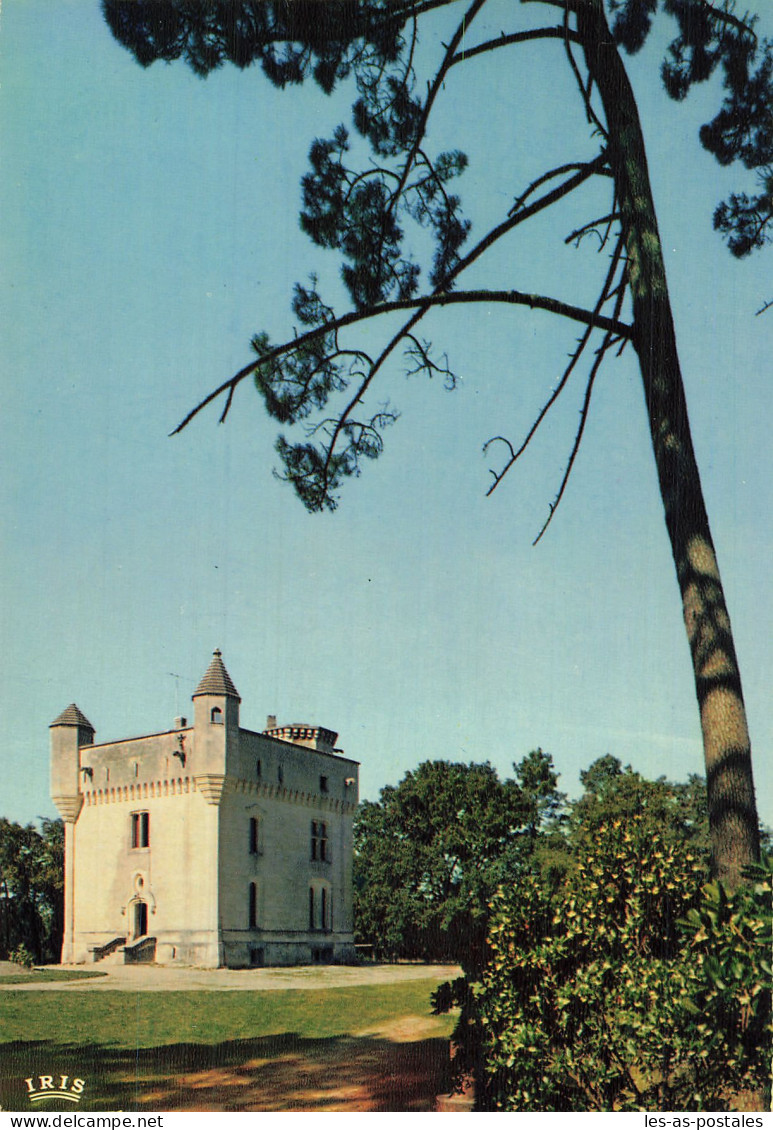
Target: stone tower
216 725
70 733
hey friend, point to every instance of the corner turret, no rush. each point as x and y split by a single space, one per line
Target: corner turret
70 732
216 726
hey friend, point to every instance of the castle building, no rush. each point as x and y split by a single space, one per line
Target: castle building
209 844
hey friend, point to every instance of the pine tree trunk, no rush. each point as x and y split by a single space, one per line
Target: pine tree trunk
727 749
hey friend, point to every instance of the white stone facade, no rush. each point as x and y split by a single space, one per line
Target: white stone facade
208 844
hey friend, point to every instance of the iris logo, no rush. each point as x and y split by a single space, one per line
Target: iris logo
41 1087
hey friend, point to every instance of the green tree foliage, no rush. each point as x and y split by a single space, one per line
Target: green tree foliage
31 888
611 792
634 984
430 853
538 781
545 847
377 208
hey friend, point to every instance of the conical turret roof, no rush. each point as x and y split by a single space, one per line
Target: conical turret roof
72 716
216 680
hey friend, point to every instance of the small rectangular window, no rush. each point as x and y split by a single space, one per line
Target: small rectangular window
319 848
140 829
254 835
323 784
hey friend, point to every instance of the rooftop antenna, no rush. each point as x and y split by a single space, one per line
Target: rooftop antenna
176 692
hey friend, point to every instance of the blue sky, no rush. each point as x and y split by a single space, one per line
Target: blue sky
149 228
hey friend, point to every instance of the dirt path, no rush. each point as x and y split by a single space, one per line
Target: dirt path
160 978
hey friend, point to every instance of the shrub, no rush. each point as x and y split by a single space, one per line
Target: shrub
730 939
632 987
22 956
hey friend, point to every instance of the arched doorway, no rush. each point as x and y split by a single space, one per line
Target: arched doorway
140 919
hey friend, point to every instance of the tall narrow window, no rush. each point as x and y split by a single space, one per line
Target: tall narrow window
320 908
254 835
253 907
140 829
319 848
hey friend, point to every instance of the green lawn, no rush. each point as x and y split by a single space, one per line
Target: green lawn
29 976
152 1019
370 1047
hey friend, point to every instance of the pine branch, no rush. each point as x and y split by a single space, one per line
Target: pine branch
601 353
515 218
434 90
591 226
726 17
420 351
584 172
365 384
455 298
585 91
550 175
508 40
606 292
439 297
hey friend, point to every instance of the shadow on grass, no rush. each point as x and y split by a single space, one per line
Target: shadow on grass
272 1073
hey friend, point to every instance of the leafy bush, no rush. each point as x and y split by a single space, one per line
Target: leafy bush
22 956
730 938
634 986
